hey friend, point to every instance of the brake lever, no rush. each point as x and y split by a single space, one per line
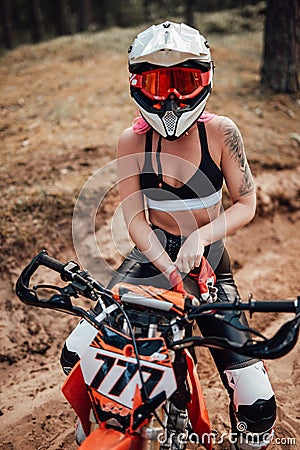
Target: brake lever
239 326
279 345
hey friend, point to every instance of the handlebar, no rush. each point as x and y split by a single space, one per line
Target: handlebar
252 306
82 283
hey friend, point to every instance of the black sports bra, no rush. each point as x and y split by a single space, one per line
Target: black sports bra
202 190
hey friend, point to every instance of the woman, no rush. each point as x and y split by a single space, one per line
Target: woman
174 158
172 164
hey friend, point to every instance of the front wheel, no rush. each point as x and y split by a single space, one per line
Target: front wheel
109 439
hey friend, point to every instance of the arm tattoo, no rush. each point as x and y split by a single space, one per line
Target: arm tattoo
234 143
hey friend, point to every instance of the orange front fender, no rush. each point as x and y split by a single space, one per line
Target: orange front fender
109 439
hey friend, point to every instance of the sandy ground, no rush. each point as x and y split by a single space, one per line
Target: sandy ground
63 105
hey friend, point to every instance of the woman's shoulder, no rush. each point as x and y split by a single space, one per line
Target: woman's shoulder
221 120
221 125
130 142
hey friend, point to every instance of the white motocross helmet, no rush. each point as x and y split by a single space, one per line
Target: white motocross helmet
171 75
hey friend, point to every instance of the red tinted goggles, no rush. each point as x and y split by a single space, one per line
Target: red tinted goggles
184 82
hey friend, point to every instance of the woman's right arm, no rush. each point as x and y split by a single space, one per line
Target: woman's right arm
130 147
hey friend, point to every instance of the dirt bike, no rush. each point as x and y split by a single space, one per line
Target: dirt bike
137 369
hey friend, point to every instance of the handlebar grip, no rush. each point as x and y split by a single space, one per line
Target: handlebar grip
274 306
51 263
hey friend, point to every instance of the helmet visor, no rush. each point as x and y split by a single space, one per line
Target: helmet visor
184 82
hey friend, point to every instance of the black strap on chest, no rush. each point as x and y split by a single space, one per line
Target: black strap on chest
159 168
203 140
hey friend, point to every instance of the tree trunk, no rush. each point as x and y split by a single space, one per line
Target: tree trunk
102 13
84 15
62 18
189 9
37 28
7 28
281 52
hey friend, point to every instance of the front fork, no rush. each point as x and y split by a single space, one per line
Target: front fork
173 436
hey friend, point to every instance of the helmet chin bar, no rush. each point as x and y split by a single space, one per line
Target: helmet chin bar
171 116
181 126
172 121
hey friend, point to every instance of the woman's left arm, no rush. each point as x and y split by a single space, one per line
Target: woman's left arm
240 185
241 188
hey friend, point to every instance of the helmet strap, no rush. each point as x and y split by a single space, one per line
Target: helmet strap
159 168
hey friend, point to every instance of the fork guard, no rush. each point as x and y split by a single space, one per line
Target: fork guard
196 407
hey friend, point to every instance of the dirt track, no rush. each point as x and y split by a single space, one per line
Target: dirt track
63 106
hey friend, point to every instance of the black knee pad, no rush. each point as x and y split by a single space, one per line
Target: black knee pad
258 417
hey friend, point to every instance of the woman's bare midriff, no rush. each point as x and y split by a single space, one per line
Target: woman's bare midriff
183 222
